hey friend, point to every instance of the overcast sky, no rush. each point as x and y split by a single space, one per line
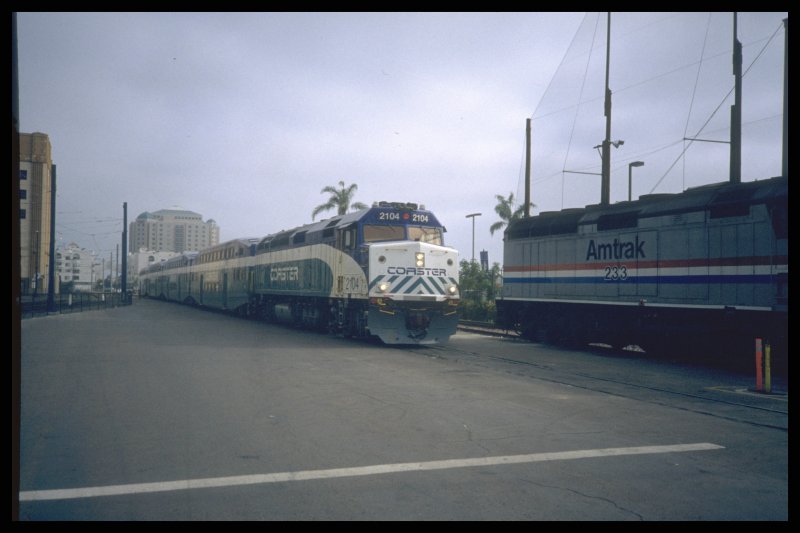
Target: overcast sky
245 117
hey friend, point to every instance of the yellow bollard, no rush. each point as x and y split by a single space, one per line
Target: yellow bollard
759 361
767 372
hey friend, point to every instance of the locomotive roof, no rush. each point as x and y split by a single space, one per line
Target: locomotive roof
341 221
716 195
243 241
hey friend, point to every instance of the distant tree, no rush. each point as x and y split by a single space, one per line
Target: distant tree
340 200
506 211
478 290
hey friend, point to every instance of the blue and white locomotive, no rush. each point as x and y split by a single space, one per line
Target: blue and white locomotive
382 271
705 268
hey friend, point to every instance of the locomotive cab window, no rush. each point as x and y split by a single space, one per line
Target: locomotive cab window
429 235
346 238
375 233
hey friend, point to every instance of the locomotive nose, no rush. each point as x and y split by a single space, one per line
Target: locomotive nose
417 320
417 323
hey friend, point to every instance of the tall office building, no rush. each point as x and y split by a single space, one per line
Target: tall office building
35 200
172 230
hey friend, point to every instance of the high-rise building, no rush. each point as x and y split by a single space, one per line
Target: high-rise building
172 230
35 195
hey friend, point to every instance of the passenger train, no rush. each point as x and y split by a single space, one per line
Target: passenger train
705 269
382 271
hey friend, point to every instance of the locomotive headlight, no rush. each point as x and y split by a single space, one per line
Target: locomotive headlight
420 259
452 289
383 287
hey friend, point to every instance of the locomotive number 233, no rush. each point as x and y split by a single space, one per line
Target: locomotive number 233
616 273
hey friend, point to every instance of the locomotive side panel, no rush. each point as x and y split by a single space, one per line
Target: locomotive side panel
704 268
765 249
317 271
697 252
565 280
673 267
548 262
746 279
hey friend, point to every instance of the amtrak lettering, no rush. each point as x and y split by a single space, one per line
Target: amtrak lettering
616 250
413 271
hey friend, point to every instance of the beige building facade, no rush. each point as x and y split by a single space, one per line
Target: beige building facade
35 212
75 267
172 230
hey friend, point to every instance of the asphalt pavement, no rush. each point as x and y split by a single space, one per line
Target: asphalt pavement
163 412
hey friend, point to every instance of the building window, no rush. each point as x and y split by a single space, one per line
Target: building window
23 194
22 214
23 174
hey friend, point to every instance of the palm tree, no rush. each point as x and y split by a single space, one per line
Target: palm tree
505 210
339 200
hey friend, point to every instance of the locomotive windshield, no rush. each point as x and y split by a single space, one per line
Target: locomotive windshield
377 233
422 234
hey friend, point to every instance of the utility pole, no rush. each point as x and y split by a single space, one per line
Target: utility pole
124 286
736 109
527 169
785 163
51 267
605 186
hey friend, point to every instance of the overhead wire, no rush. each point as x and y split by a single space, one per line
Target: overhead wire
713 113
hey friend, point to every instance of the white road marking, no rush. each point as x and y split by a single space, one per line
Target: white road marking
780 396
304 475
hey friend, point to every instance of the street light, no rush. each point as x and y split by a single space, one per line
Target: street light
630 172
472 216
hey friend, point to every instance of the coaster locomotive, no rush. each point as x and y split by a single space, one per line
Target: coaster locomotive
382 271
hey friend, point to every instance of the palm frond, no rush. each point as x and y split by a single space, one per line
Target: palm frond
496 226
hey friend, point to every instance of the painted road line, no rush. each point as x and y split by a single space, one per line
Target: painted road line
305 475
780 396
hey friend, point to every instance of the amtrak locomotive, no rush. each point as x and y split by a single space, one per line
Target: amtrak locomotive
706 269
382 271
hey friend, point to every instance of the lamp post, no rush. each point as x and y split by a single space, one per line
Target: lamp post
472 216
36 268
630 173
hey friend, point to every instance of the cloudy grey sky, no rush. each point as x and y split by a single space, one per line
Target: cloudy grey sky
245 117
